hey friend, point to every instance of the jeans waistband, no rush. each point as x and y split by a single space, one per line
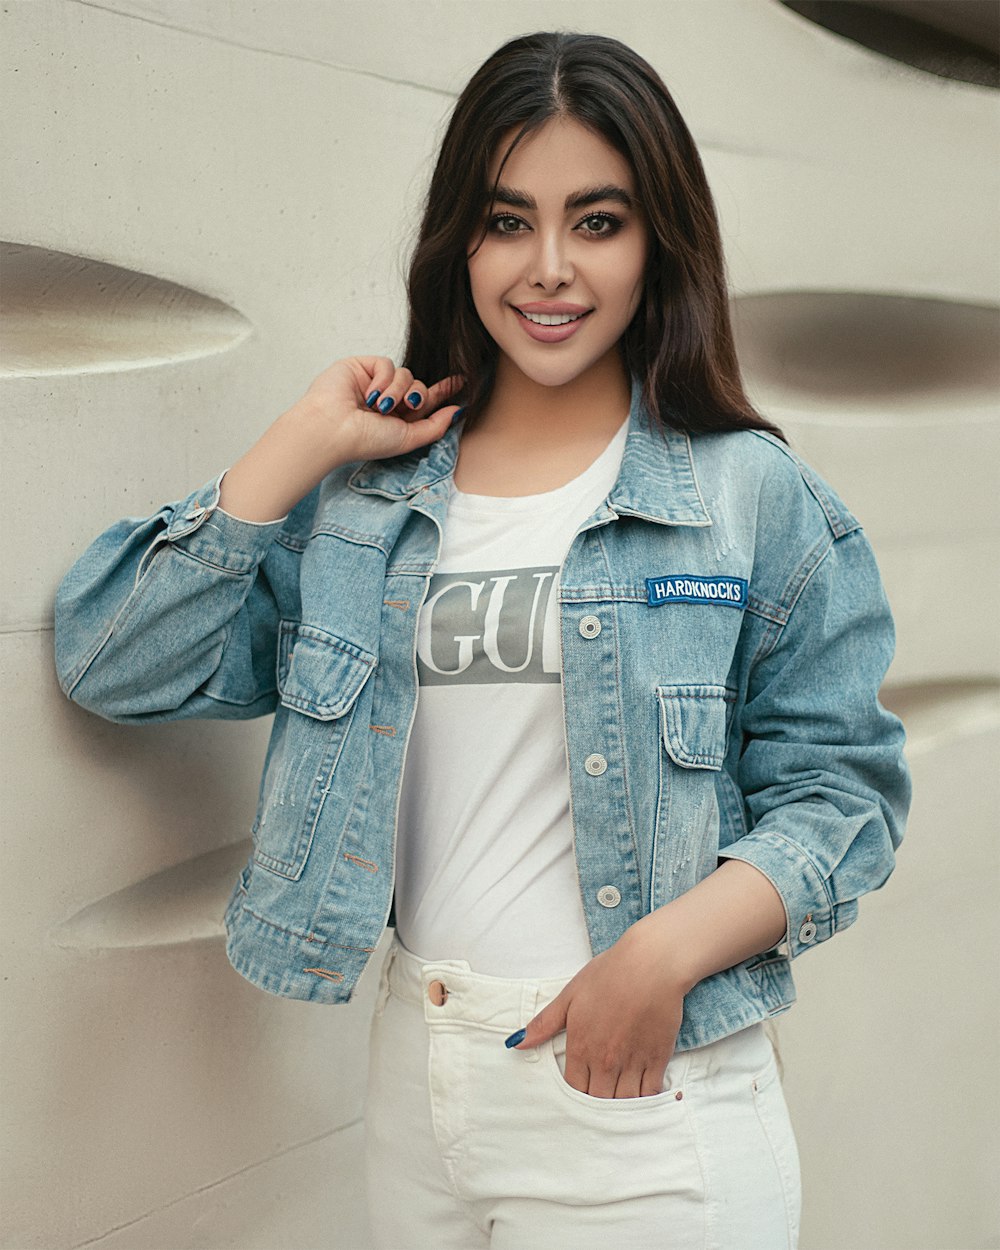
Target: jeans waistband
500 1003
503 1004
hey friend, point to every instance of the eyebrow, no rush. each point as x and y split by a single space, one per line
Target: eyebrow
577 199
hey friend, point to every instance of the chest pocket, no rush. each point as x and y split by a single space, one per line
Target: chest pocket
693 727
319 678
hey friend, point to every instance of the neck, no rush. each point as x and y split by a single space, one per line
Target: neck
591 406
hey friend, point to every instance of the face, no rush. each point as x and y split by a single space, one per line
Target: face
559 274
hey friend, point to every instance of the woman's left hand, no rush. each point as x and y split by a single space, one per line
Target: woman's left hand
622 1013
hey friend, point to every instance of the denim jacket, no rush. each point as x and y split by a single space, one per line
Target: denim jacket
723 632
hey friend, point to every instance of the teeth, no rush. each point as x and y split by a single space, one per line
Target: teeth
552 319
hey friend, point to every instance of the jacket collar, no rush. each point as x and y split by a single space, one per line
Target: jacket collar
657 480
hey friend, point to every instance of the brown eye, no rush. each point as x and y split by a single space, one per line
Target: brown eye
601 225
500 223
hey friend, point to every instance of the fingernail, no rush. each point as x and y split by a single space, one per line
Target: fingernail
458 414
386 404
516 1039
414 399
370 401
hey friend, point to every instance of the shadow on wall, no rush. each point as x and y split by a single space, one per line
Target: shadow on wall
958 39
72 314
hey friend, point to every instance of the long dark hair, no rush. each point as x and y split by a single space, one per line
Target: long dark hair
680 341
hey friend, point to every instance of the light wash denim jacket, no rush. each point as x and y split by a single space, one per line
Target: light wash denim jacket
724 634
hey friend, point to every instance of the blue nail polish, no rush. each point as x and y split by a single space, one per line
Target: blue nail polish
414 399
386 404
516 1039
370 401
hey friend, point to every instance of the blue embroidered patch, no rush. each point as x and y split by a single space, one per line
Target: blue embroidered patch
729 592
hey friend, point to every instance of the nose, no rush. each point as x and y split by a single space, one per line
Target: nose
550 266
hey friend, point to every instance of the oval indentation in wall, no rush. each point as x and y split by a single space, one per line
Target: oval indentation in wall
867 350
937 712
61 313
181 904
954 39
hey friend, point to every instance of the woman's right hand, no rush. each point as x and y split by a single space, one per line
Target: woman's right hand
376 410
333 424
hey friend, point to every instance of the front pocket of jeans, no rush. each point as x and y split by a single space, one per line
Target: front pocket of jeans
319 680
554 1059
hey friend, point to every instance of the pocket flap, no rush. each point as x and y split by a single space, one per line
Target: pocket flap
693 724
318 673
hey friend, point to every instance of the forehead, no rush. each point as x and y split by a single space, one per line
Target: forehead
562 154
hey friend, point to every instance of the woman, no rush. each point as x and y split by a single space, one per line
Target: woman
647 766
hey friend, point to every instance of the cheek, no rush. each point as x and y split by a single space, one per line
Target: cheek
625 287
485 277
636 271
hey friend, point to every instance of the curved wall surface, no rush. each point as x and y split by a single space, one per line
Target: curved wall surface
206 204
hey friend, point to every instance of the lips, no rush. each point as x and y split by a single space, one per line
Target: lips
552 333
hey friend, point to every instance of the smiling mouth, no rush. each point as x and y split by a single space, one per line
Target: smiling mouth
553 319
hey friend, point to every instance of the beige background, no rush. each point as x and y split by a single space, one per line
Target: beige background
255 169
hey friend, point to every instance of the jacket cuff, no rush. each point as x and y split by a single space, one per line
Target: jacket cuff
809 912
199 527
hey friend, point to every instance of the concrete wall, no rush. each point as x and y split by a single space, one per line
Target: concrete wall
209 202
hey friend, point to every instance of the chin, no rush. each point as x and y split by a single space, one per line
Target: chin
553 373
552 376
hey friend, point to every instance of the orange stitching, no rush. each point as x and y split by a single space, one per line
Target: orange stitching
326 974
388 730
402 604
365 863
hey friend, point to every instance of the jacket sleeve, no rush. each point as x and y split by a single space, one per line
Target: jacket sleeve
172 616
822 770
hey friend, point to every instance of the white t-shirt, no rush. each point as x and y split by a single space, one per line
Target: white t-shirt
485 864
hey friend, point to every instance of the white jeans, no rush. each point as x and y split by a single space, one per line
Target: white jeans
470 1146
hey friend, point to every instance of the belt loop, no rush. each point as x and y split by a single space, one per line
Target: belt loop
530 997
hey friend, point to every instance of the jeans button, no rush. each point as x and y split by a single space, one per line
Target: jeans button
590 627
595 765
609 896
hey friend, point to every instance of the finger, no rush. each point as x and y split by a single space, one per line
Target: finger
547 1023
393 392
418 432
602 1081
414 400
382 371
629 1083
652 1084
577 1073
444 390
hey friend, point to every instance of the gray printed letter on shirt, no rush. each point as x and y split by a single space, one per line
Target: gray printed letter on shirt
490 626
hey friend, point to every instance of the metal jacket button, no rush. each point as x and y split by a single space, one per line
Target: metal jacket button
609 896
437 992
595 765
807 932
590 627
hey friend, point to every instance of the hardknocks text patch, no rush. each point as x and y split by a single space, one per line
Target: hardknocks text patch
730 592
